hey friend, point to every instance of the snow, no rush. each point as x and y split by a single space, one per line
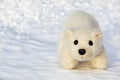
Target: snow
30 31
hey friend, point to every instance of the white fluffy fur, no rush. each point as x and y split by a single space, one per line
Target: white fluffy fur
83 27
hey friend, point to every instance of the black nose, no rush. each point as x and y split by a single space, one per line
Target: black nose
81 51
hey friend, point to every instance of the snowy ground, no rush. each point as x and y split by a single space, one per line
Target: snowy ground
30 30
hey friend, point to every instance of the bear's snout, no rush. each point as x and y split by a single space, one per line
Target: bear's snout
81 51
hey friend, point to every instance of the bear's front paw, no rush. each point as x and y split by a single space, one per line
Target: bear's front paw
69 65
100 66
98 63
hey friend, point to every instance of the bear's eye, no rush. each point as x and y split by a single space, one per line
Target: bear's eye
76 42
90 43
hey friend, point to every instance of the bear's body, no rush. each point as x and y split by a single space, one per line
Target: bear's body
81 41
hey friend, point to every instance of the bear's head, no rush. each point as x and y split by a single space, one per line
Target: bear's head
83 45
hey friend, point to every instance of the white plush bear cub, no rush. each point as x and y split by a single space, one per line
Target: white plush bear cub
81 41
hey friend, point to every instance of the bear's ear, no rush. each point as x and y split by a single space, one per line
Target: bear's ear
97 34
69 33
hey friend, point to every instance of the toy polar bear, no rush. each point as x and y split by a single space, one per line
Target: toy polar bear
81 42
